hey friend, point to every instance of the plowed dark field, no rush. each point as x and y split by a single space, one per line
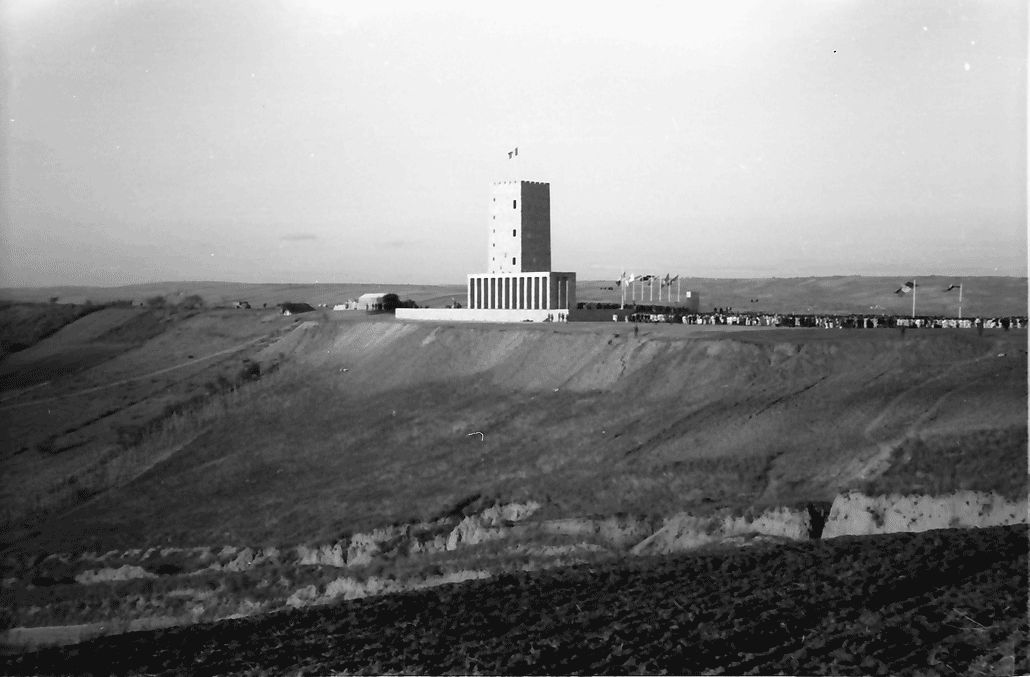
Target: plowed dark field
940 602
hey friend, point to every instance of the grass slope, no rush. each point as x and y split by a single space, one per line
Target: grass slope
76 407
22 325
370 422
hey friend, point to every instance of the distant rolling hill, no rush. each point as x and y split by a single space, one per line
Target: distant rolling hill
225 293
847 294
988 296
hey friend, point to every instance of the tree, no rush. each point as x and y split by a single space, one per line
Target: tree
390 302
192 302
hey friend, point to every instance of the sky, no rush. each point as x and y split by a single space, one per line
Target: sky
303 141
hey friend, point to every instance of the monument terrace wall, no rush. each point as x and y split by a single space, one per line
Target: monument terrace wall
482 315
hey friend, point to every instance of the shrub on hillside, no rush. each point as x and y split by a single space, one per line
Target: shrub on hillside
192 302
130 435
251 371
156 302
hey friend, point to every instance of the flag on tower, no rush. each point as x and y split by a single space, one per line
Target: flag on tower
513 153
906 288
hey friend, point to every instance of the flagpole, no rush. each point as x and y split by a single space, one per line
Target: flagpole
677 289
960 302
913 298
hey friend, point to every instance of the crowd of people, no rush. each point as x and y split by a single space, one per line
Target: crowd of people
826 321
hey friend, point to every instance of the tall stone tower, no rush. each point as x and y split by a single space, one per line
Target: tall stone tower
519 276
520 228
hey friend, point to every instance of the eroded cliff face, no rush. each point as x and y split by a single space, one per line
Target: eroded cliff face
166 586
685 531
855 514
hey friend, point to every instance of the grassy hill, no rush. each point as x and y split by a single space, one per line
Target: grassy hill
366 423
24 324
846 294
132 434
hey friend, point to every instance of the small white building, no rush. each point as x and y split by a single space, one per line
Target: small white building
349 304
372 301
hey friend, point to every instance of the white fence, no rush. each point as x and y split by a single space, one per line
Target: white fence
482 315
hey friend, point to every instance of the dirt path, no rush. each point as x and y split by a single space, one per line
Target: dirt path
120 382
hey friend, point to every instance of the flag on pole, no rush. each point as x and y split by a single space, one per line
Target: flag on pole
906 288
959 287
513 153
674 278
645 278
666 280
